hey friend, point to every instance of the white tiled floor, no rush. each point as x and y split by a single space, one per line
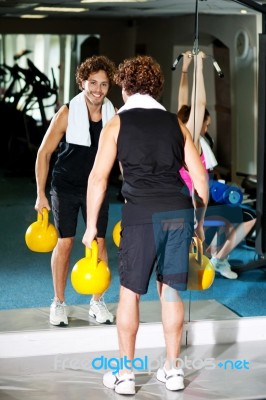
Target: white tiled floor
71 375
46 378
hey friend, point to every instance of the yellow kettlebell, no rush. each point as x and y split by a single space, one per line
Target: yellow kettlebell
201 272
41 236
91 275
116 233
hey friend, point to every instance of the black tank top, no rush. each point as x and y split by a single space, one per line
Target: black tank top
74 163
151 151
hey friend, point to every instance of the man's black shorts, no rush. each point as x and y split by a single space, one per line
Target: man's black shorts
162 244
65 208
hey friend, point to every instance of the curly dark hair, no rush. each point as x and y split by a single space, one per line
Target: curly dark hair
183 114
94 64
141 74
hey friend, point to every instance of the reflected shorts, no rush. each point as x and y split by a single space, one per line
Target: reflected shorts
66 207
163 246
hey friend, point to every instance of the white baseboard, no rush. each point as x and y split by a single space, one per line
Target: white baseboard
226 331
104 338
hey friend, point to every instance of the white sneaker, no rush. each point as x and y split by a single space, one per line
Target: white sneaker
99 311
122 384
223 267
58 314
173 378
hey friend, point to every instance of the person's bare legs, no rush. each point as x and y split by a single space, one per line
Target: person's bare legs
123 382
60 265
127 322
234 236
172 320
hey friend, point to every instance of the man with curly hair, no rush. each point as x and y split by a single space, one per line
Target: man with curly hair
74 132
158 215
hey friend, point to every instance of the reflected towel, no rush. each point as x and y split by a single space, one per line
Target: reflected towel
210 160
78 129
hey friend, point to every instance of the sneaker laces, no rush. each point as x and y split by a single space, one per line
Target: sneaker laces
224 264
169 373
220 263
60 308
224 268
101 305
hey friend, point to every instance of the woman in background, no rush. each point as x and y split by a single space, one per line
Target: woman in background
238 221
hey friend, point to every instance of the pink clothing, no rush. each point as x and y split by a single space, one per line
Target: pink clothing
186 177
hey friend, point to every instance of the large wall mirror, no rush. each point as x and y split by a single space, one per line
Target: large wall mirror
233 102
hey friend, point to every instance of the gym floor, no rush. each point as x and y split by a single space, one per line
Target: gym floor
35 366
80 384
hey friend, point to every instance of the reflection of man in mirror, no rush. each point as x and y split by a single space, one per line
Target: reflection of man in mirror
75 131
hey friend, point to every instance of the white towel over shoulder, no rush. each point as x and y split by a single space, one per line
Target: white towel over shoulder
78 129
140 101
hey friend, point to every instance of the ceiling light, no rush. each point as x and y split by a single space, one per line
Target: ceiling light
61 9
114 1
243 12
33 16
23 5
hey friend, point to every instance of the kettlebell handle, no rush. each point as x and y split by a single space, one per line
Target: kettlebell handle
196 242
43 217
92 253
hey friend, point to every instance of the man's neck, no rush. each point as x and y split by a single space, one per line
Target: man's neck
94 111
